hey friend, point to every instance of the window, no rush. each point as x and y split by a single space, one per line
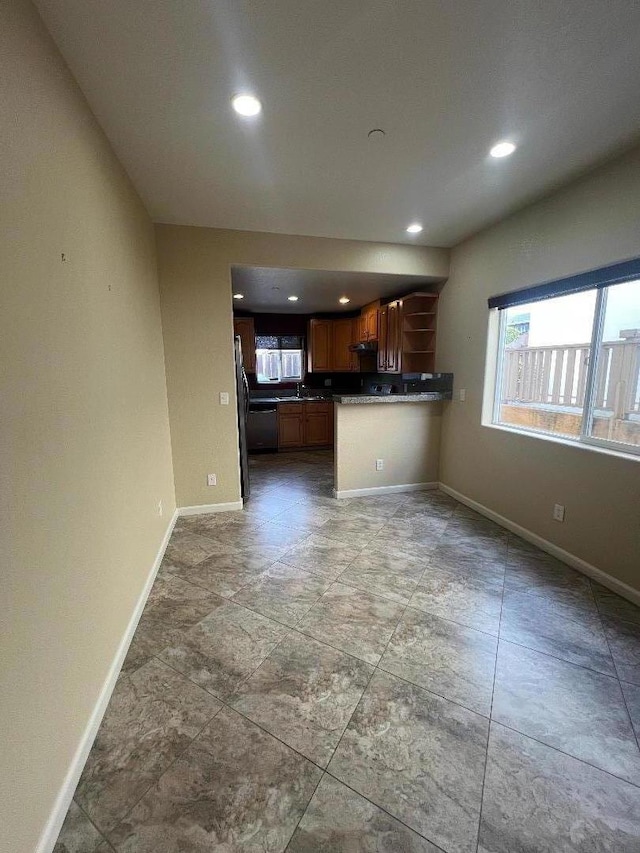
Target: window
279 358
568 361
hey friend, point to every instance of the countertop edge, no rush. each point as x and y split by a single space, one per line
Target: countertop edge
360 399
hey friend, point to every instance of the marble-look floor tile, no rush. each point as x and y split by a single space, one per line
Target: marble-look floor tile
267 535
187 548
392 575
425 513
544 576
304 515
566 632
237 789
464 527
446 658
538 800
472 599
139 653
353 621
419 757
321 556
224 648
283 593
152 716
163 623
338 820
438 504
225 574
410 537
492 549
610 604
353 529
631 694
467 556
78 834
304 693
566 706
379 505
624 642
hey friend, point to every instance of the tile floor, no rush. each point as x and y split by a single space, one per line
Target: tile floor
386 674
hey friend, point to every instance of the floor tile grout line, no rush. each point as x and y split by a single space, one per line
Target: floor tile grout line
636 734
555 657
493 691
166 769
567 754
103 837
383 809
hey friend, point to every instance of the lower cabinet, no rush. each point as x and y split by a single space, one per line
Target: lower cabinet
305 424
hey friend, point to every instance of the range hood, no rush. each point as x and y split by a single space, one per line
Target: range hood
364 346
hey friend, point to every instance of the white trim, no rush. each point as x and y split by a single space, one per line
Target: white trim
578 563
58 813
384 490
201 509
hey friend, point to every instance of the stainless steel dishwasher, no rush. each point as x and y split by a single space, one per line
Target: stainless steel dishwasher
262 426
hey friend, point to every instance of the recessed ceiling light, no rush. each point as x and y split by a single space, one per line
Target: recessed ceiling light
246 105
292 298
343 300
238 295
414 228
502 149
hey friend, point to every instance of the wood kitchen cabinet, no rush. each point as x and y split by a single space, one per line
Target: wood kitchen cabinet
368 322
244 326
344 335
407 330
290 425
329 342
320 346
389 341
308 424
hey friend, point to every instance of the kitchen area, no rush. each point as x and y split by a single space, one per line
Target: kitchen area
314 345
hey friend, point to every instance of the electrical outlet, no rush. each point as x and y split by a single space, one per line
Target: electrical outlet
558 512
211 480
379 464
224 398
462 394
160 510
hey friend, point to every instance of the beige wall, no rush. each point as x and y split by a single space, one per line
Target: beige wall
405 435
194 266
85 450
593 222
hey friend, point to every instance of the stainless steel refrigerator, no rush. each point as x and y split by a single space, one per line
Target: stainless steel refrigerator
242 394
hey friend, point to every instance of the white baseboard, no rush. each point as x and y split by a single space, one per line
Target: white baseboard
578 563
384 490
201 509
53 826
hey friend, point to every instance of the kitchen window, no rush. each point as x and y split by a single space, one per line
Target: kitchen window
568 359
279 358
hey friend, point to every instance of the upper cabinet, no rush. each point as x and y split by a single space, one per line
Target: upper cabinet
344 336
368 322
244 326
329 342
407 334
319 341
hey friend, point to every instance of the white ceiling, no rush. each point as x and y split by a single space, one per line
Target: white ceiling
265 289
444 78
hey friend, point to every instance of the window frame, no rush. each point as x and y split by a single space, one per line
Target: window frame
584 439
